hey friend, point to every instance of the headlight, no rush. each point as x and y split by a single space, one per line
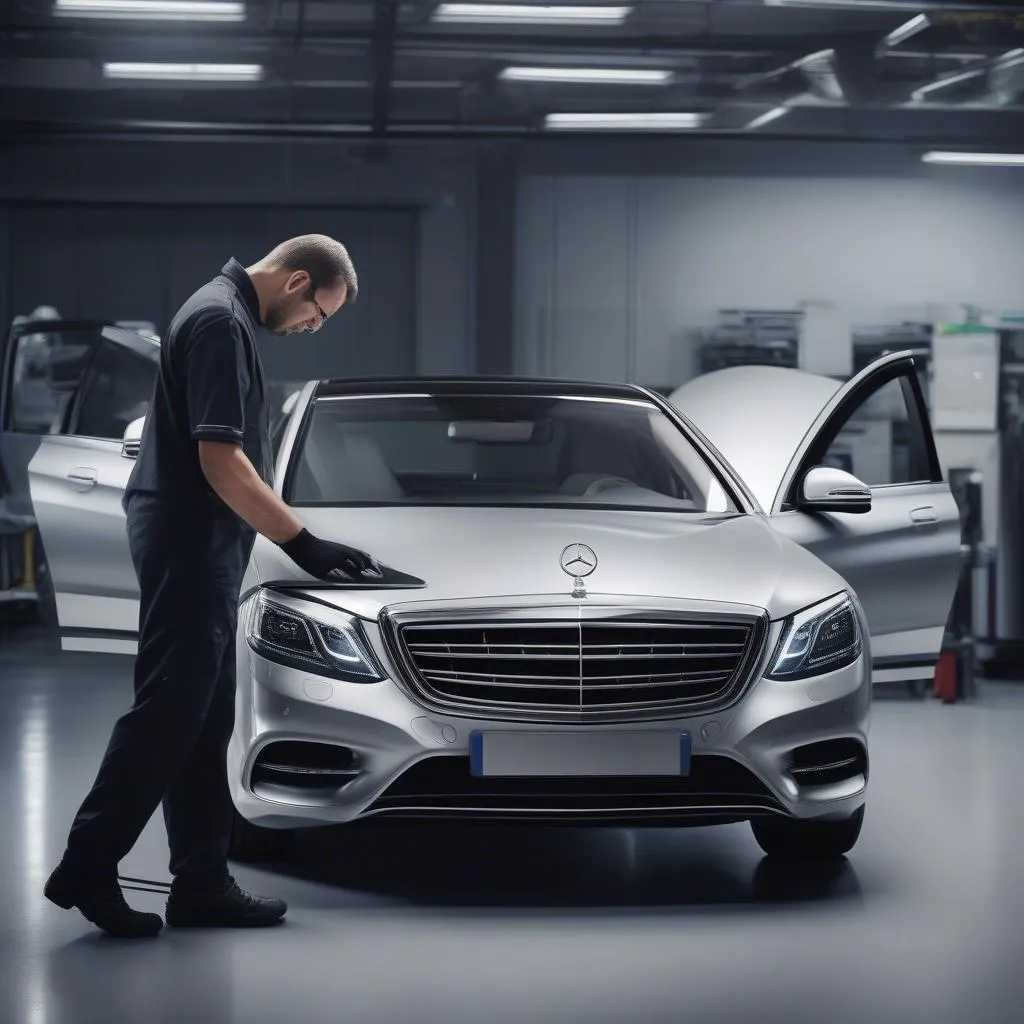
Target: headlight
337 649
818 639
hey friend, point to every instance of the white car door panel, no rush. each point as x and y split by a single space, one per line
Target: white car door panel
903 557
76 485
904 571
70 390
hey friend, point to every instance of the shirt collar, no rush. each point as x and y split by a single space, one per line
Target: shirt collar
236 274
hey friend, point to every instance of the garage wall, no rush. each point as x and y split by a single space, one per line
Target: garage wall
409 217
141 262
614 269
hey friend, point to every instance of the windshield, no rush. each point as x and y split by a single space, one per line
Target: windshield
500 450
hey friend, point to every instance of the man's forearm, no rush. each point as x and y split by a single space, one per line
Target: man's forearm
234 478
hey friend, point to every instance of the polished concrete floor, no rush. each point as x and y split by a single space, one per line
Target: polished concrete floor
925 922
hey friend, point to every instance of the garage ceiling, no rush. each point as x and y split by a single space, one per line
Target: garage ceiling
938 73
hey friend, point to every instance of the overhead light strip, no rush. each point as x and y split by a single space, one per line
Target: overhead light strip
184 72
943 83
529 14
656 121
588 76
851 5
153 10
907 30
767 118
975 159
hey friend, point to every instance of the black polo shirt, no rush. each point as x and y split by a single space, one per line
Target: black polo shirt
210 387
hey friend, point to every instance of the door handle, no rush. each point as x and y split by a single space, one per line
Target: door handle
926 514
83 477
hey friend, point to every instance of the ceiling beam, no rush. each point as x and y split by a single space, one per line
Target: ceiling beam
385 21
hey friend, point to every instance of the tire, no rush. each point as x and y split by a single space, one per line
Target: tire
794 839
250 842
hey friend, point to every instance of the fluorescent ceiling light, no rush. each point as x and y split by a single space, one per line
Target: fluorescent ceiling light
530 14
658 121
594 76
162 10
850 5
975 159
185 72
942 83
767 118
907 30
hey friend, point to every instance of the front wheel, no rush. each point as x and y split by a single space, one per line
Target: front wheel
796 839
250 842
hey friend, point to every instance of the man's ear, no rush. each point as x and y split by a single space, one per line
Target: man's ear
298 281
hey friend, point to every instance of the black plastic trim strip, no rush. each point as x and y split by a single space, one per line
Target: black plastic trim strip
68 633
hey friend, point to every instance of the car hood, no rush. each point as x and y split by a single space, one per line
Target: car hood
485 555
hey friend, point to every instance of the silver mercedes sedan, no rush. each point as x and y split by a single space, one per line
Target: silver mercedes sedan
623 609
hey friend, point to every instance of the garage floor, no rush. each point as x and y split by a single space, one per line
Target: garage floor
430 923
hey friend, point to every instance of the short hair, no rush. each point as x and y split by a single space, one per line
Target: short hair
324 258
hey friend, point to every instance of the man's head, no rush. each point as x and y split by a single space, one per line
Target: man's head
302 282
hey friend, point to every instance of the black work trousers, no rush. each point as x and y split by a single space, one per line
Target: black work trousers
170 746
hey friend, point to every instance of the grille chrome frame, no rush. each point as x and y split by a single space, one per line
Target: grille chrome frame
398 627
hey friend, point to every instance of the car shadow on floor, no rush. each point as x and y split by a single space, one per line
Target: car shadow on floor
525 866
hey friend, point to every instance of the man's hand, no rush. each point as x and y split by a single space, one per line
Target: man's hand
328 560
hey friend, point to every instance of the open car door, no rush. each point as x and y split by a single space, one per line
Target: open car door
899 546
70 391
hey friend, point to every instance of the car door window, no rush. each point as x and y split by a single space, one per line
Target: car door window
118 390
881 436
47 368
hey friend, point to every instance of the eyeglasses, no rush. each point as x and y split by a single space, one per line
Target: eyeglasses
322 314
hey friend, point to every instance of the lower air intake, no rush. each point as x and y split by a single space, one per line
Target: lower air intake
302 765
717 790
828 762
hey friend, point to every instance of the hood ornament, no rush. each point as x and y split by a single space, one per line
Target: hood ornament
578 561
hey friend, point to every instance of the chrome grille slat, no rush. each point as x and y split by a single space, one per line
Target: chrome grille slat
520 667
513 655
574 685
598 682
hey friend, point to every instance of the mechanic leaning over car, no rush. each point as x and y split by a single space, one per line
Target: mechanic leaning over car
196 498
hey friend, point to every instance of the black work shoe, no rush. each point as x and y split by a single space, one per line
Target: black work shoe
229 907
103 904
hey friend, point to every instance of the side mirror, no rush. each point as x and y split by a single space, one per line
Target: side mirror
834 490
132 439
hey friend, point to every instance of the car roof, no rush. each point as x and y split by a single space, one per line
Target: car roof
476 385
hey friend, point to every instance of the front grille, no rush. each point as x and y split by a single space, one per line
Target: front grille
579 668
717 789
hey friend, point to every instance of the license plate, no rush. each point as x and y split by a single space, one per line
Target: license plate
560 754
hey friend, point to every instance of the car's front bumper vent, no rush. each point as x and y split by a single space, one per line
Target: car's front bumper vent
304 765
717 790
828 762
584 668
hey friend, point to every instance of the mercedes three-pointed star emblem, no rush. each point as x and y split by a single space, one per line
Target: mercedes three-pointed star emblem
578 560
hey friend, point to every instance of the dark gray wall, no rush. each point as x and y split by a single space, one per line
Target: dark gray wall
133 262
622 250
412 212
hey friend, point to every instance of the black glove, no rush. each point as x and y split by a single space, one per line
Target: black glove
330 561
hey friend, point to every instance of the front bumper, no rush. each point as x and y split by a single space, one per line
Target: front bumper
411 761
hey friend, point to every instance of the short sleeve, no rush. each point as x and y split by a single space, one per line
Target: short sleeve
216 381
